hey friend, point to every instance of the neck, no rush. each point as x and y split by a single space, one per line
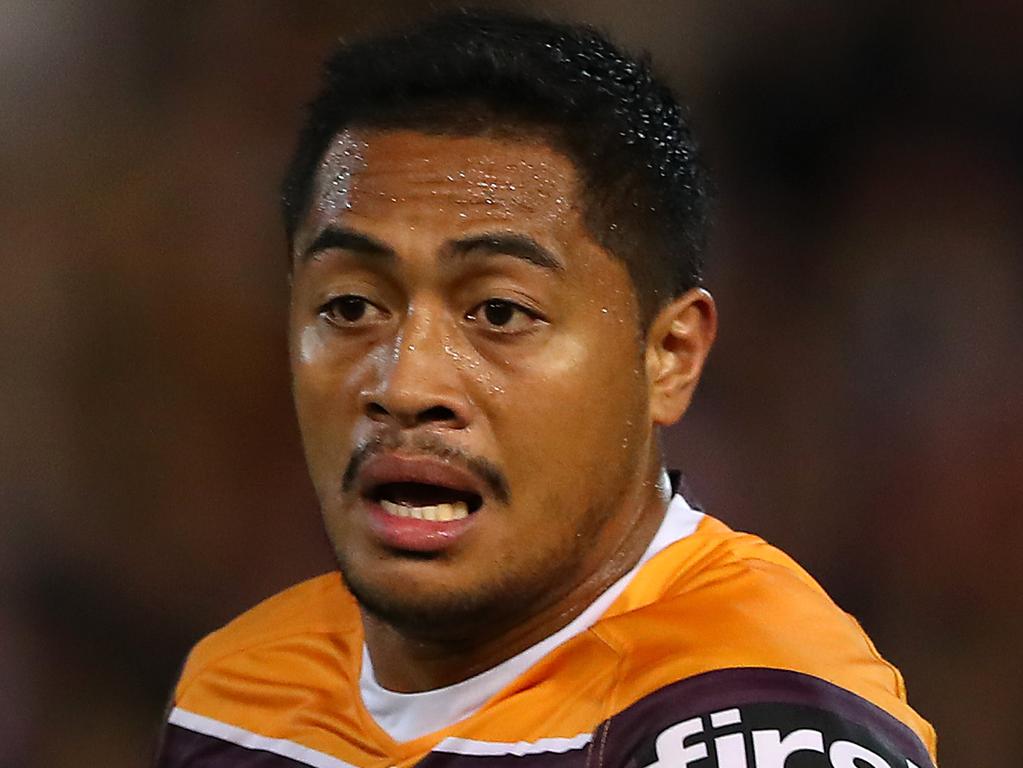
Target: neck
408 663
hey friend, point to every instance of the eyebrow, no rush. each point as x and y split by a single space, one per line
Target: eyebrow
513 244
345 239
508 244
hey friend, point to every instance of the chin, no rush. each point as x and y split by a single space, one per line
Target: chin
434 608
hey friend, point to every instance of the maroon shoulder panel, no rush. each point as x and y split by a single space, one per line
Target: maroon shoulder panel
182 748
757 718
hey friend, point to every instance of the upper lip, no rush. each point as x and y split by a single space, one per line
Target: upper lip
429 470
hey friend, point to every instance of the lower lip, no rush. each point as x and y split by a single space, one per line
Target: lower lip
413 535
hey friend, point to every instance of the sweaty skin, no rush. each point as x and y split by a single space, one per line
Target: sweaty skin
449 302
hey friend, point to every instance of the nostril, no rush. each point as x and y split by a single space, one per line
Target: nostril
375 409
437 413
431 415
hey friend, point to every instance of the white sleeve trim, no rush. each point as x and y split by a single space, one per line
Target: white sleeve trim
249 740
558 744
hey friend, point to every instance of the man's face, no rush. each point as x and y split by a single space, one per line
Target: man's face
468 376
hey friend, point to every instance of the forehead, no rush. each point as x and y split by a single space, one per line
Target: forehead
461 182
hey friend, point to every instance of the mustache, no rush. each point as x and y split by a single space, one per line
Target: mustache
484 470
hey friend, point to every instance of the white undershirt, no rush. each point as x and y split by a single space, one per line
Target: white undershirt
406 716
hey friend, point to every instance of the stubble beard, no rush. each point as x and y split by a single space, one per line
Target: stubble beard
516 589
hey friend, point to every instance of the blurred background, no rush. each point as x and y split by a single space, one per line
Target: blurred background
862 408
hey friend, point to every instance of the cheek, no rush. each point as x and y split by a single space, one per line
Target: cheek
307 348
326 389
574 408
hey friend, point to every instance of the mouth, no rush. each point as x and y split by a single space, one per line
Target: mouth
420 503
425 501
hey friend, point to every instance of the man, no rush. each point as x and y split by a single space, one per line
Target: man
495 228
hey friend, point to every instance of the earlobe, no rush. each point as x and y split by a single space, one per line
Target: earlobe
678 342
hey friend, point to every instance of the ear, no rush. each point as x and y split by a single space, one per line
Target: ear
678 342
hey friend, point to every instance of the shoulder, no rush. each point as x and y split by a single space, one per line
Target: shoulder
723 599
253 687
722 718
317 608
725 611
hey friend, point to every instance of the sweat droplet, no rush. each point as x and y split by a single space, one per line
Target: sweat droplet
341 161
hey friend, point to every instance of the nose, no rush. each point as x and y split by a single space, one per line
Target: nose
419 383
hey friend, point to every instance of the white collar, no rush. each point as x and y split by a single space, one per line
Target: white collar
407 716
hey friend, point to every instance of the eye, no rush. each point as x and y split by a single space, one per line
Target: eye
349 310
504 316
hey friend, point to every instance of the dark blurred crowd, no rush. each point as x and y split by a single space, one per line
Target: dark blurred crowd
862 408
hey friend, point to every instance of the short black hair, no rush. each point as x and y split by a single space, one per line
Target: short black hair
644 188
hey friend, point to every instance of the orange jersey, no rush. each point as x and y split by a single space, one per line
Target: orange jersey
720 652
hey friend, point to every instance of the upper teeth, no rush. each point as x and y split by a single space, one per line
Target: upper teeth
437 512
